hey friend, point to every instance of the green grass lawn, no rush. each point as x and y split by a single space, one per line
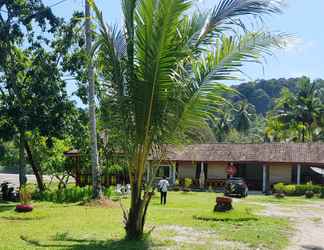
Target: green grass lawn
76 227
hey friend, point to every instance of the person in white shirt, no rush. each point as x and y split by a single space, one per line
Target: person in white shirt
163 187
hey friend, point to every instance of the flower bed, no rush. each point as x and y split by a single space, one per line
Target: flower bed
23 208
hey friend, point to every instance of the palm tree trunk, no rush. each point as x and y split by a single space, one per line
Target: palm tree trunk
97 192
137 213
140 199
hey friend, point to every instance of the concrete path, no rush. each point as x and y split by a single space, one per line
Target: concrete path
13 179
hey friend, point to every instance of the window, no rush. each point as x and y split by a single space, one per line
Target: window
163 171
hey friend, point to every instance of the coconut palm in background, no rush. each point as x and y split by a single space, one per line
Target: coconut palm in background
300 114
165 73
243 115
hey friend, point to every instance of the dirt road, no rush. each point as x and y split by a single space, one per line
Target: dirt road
308 221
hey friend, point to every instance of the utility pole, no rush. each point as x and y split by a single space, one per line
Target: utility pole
97 192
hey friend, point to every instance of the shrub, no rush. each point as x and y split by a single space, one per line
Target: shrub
69 194
25 194
109 191
279 195
176 188
309 194
289 190
187 182
297 190
279 187
322 193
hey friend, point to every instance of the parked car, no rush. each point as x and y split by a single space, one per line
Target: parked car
236 186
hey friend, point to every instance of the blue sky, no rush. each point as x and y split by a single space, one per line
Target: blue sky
300 18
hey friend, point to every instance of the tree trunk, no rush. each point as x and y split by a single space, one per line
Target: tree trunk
137 212
97 192
22 162
35 168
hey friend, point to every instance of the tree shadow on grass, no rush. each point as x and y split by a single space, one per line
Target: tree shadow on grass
6 206
203 218
18 218
70 243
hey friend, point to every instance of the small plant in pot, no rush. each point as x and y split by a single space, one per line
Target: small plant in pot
309 194
223 204
25 198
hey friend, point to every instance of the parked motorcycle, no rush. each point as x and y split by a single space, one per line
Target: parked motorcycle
8 193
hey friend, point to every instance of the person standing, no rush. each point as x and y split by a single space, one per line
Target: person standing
163 187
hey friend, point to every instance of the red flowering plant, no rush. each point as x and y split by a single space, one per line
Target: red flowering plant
25 199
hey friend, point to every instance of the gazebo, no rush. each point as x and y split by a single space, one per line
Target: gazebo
74 155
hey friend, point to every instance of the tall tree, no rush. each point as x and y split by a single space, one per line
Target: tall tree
33 96
244 114
97 193
165 73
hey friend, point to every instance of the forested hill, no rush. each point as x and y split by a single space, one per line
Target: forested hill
262 93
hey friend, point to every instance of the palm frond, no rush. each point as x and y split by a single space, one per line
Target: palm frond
230 12
231 52
204 94
112 48
157 53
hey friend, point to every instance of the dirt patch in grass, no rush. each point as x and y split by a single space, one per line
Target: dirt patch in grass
191 238
308 222
103 202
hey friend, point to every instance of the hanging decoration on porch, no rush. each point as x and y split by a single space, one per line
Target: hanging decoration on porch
231 169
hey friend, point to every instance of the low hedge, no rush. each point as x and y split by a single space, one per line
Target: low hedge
297 190
69 194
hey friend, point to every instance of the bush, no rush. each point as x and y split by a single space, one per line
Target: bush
176 188
279 195
297 190
289 190
322 193
109 191
279 187
25 194
187 182
70 194
309 194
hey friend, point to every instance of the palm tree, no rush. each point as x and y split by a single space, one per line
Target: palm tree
244 114
222 124
165 73
300 111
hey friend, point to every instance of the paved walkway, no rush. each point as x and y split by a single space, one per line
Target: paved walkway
13 179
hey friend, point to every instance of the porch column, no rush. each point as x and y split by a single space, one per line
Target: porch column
202 176
298 173
265 178
173 174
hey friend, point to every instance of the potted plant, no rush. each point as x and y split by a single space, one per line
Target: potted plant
25 198
223 204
